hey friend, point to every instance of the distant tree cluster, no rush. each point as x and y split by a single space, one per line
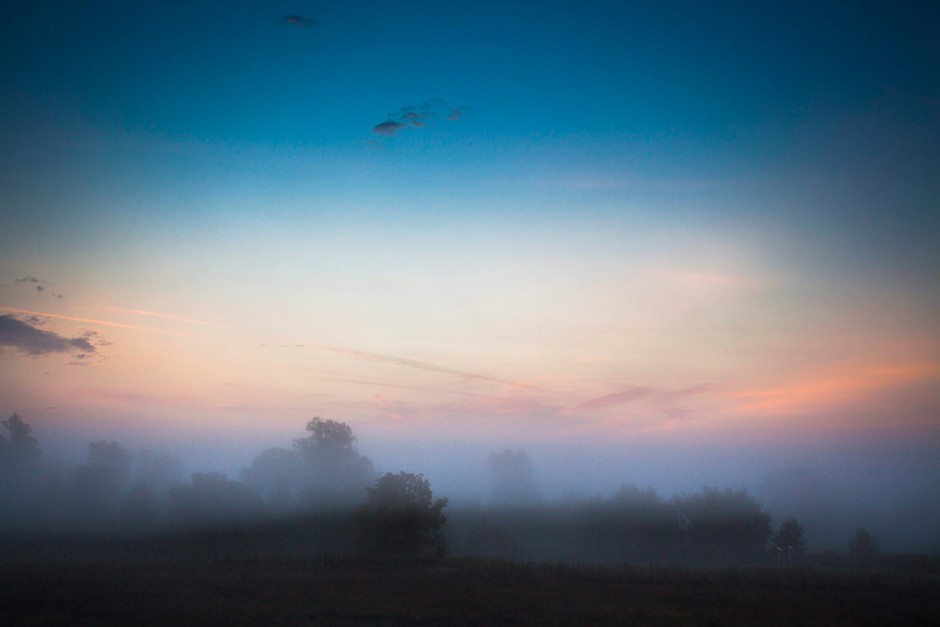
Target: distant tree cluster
323 469
329 490
113 490
635 526
321 478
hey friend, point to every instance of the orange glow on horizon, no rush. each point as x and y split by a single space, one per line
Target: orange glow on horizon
830 388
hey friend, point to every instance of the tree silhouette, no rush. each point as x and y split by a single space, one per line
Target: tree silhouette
21 447
279 475
862 546
789 540
212 498
98 484
401 517
338 473
722 525
23 479
158 470
512 482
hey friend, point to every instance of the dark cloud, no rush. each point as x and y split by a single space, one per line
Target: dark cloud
419 116
25 338
388 129
457 112
301 21
415 119
79 359
38 284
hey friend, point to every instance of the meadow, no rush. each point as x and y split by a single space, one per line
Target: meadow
239 577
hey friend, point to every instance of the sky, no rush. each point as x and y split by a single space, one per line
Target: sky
634 230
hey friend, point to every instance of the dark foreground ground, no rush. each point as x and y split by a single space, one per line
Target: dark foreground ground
192 583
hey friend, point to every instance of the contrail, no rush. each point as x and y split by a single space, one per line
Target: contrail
155 314
105 323
414 363
407 387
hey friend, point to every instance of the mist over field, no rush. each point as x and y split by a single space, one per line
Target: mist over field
164 483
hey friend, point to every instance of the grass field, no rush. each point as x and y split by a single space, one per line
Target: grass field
191 582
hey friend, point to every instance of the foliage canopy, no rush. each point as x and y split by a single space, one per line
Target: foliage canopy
401 517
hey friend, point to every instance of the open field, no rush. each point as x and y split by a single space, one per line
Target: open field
185 582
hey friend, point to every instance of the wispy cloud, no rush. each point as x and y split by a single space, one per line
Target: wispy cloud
411 363
27 339
37 284
418 116
105 323
401 386
165 316
301 21
635 393
618 398
456 113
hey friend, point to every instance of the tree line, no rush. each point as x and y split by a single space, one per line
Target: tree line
322 475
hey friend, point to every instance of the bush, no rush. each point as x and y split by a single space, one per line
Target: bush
400 516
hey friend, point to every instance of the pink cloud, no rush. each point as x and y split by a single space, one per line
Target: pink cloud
618 398
638 392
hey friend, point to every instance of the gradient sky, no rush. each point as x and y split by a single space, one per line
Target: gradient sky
473 221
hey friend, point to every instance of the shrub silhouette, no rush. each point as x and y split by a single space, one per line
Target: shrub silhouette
789 539
862 546
401 517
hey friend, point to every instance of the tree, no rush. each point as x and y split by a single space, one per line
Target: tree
21 447
23 480
512 482
98 485
327 437
158 470
401 517
789 541
212 498
862 546
722 525
279 476
338 473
